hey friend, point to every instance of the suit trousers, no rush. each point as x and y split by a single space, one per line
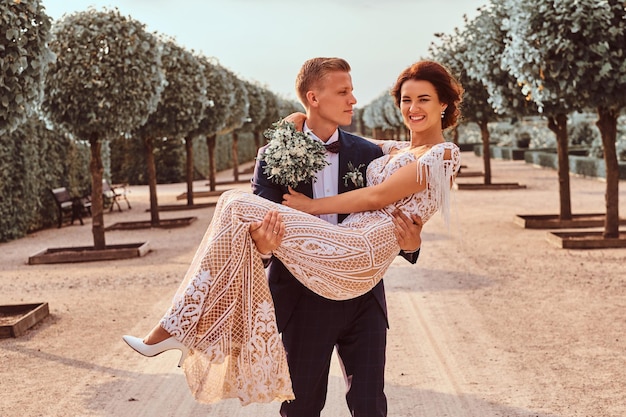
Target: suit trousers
357 328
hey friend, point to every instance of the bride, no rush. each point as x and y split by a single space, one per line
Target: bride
222 316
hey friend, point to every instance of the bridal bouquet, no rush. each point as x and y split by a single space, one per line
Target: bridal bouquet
292 156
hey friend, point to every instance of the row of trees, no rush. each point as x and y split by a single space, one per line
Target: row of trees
99 75
546 57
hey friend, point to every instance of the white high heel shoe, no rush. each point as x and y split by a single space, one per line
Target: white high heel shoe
153 350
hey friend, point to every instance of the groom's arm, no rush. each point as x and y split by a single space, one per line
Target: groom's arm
408 232
262 186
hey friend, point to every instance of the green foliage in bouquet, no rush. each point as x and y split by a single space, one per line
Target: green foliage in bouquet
292 156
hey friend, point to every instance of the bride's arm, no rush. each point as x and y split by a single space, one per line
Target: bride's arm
399 185
403 183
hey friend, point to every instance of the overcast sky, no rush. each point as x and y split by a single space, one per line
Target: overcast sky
268 40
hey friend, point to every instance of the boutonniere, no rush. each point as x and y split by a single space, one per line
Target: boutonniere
354 175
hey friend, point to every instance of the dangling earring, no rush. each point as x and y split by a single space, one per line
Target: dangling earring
443 113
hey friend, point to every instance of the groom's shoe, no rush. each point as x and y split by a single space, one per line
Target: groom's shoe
153 350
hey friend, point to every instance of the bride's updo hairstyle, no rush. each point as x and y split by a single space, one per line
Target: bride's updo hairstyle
448 88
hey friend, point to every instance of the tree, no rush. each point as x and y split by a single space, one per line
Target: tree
213 119
489 92
570 56
25 54
178 113
252 124
374 115
238 115
271 116
393 115
106 80
286 107
453 52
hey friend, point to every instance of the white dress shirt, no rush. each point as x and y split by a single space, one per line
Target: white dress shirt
326 180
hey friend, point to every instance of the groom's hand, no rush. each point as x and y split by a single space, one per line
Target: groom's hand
268 233
408 231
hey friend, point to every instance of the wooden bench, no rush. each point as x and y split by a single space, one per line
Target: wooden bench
112 193
70 207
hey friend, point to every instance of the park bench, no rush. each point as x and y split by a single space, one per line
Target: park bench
70 207
112 194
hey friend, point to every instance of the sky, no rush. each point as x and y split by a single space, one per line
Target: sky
266 41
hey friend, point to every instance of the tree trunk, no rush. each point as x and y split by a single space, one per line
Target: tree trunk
189 169
235 156
257 139
210 144
148 144
607 124
97 203
484 134
558 124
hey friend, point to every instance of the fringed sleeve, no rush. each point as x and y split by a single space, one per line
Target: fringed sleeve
439 174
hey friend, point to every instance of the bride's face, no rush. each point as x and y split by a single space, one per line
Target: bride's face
420 106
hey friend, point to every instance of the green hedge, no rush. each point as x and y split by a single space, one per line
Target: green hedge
33 160
582 165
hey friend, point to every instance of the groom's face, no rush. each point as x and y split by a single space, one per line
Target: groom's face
335 100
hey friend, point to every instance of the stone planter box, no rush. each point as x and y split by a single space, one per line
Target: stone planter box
180 207
581 165
552 221
585 240
16 319
147 224
89 253
492 186
201 194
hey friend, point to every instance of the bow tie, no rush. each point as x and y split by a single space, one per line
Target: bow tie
333 147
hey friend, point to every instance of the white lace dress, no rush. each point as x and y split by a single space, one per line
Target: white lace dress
223 309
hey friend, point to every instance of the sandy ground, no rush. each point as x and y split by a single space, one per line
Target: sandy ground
492 321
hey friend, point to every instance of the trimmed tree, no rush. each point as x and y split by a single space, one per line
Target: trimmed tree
25 54
252 124
463 52
271 116
106 80
213 118
238 115
374 116
570 56
179 111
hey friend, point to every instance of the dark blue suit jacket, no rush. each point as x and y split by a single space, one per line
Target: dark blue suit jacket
285 288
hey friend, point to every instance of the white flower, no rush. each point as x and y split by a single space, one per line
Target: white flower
292 156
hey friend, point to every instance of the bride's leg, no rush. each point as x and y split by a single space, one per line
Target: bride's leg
211 277
156 335
337 262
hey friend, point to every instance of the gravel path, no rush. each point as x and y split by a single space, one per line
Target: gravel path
492 321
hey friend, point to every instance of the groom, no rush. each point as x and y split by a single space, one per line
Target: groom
312 326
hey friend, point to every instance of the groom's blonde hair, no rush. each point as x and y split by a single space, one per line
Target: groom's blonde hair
313 71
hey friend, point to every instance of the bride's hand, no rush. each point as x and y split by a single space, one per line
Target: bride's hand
298 201
297 119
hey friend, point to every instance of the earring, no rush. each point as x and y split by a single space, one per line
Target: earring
443 113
